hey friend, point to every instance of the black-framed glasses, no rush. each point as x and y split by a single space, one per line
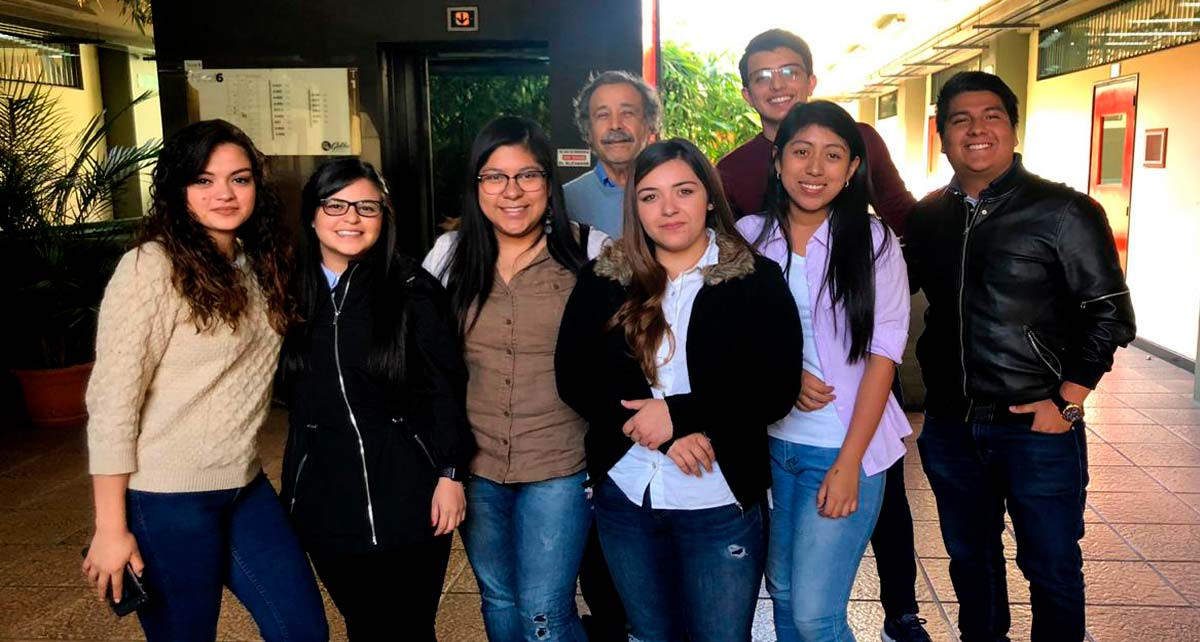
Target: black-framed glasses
786 73
530 180
338 207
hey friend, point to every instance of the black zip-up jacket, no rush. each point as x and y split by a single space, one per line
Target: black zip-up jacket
1025 291
363 456
743 356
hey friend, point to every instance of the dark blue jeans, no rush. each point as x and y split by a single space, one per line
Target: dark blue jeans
196 543
524 542
692 573
977 470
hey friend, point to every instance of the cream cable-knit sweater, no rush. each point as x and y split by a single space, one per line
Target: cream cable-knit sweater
178 409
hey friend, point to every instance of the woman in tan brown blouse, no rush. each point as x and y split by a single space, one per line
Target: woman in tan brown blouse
509 268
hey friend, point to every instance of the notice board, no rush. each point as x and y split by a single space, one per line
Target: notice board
286 112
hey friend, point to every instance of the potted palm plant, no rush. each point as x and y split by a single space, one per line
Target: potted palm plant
55 253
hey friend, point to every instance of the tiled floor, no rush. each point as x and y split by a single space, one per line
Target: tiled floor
1141 551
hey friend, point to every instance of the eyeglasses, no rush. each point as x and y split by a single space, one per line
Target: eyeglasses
532 180
786 73
338 207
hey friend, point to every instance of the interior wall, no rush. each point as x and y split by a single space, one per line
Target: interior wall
1164 229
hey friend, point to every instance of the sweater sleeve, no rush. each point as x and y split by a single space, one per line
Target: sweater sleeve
892 299
137 317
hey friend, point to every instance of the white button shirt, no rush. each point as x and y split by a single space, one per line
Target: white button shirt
641 467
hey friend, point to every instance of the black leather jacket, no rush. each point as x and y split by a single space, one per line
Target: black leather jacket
1025 291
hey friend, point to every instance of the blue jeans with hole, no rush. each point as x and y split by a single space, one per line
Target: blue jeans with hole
195 543
812 560
525 542
683 574
978 470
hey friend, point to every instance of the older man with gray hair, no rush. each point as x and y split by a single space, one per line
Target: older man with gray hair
617 114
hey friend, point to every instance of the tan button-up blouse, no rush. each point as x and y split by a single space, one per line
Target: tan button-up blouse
525 433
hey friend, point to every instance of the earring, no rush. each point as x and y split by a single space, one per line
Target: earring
710 207
847 183
547 227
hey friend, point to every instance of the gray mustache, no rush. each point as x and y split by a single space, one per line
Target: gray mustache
617 136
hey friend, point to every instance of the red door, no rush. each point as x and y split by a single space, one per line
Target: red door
1114 111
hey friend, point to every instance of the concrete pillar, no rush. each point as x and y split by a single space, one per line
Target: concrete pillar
910 109
866 110
1009 59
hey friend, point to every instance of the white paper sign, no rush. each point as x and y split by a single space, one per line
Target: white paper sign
575 157
286 112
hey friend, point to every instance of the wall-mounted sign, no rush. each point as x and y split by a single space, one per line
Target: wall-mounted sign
1156 148
286 112
462 18
575 157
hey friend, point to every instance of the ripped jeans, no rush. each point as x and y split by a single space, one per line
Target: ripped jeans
525 542
812 560
683 574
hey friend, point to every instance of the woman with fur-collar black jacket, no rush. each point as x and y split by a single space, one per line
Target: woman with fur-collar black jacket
744 347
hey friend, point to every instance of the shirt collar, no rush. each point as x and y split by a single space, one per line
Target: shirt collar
711 256
330 276
821 236
603 176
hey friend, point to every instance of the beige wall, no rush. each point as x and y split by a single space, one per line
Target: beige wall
1164 230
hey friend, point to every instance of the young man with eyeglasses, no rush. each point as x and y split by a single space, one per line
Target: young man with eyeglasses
776 71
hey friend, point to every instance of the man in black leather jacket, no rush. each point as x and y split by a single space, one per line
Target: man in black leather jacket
1027 304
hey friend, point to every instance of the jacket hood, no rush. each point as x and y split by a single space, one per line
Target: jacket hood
734 261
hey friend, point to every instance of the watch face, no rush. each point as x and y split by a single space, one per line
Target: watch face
1072 413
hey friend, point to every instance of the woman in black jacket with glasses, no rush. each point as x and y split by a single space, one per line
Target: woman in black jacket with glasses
375 385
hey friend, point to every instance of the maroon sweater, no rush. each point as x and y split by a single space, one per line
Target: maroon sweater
744 173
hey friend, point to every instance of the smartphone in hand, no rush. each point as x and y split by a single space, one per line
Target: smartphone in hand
133 592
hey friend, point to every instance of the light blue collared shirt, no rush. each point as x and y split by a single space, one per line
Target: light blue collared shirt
330 276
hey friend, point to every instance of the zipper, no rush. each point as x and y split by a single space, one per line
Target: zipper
1098 299
420 443
296 483
337 359
1041 350
962 279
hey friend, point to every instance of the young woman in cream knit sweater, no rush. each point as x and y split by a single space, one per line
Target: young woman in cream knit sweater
189 336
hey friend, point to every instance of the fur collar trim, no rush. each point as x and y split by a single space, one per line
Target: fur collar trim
734 261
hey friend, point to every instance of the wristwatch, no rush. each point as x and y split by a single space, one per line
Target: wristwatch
1072 412
450 473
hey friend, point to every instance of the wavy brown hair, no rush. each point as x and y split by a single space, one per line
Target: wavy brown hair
205 277
641 315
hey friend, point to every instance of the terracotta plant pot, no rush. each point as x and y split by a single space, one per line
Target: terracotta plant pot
54 397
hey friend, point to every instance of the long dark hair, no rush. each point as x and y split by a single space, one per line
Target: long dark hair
641 315
200 273
850 272
471 268
386 356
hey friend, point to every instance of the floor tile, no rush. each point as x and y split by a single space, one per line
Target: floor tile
1116 416
1120 478
1125 623
1021 618
1143 400
1180 454
1185 386
1100 454
1190 434
1184 576
1176 478
1152 507
1101 542
1183 416
1135 433
1104 400
1127 583
1163 542
1115 386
